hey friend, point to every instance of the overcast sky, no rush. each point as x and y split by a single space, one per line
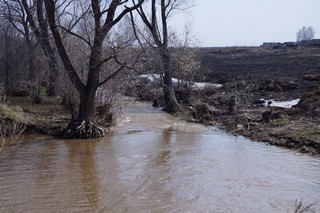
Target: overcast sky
248 22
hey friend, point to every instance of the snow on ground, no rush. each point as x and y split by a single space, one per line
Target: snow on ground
281 104
150 77
195 85
200 85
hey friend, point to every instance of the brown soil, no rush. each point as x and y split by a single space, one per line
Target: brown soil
253 73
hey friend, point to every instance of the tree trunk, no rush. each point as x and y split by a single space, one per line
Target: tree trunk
7 64
171 103
87 105
84 127
53 89
31 55
31 76
49 51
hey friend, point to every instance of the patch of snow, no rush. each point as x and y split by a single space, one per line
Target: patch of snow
150 77
200 85
175 80
281 104
196 85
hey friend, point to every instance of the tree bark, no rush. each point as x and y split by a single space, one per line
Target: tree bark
7 64
171 102
53 89
31 55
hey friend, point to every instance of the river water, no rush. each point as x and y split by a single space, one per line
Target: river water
154 162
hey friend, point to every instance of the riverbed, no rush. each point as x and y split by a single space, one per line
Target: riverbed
154 162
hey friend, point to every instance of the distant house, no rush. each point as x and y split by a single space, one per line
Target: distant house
303 43
290 44
312 42
271 45
315 42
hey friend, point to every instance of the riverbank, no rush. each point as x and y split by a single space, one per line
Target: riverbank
250 74
287 128
247 75
20 115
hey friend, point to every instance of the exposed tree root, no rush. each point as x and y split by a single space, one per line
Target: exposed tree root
83 130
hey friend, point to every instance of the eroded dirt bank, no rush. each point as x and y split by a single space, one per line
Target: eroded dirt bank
252 74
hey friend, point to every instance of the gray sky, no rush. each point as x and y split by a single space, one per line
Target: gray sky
248 22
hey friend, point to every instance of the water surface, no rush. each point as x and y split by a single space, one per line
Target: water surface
154 162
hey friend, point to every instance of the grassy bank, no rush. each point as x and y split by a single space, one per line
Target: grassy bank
20 115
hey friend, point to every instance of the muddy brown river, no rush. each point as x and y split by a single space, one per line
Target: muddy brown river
154 162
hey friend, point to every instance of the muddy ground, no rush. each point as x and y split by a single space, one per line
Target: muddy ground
253 73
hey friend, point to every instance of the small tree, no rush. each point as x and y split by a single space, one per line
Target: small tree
156 21
305 33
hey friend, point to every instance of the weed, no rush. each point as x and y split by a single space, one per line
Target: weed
10 132
278 122
12 124
307 133
300 208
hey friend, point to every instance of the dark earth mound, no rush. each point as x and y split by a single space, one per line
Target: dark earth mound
261 66
250 74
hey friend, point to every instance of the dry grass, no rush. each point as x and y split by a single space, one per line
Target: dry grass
12 125
44 118
11 134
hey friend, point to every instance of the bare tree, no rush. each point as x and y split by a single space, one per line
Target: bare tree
26 16
13 60
158 27
17 17
105 18
186 61
42 34
7 65
305 33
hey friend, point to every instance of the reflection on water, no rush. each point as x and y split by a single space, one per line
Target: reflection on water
155 163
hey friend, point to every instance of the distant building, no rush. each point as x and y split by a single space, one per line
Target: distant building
290 44
310 43
271 45
303 43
